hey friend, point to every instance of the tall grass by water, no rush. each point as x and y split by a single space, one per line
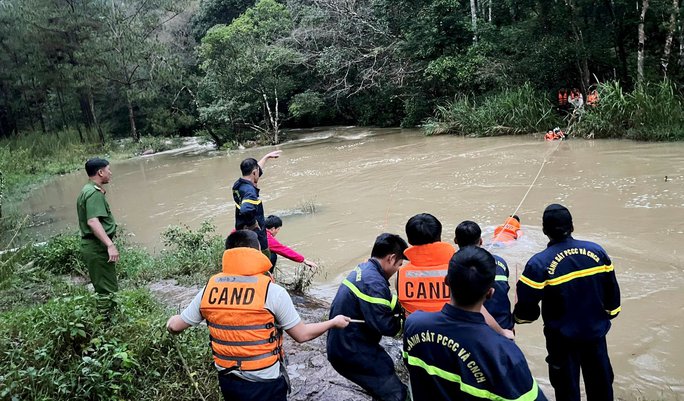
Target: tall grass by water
651 112
514 111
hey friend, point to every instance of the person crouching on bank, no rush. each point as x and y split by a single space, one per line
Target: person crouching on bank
246 313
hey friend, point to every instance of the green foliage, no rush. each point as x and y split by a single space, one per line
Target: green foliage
513 111
65 350
651 112
188 252
307 105
300 281
60 255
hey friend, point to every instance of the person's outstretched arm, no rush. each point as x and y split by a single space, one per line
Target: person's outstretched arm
271 155
304 332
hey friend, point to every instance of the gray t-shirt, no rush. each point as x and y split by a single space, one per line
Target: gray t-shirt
278 301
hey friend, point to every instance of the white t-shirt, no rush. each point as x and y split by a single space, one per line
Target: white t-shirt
278 301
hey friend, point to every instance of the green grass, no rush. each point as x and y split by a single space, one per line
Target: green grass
516 111
64 350
651 112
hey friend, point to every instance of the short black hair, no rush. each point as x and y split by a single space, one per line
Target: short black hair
471 274
422 229
248 165
273 222
388 244
92 166
242 239
515 216
557 222
468 233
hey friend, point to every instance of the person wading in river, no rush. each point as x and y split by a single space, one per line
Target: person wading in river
98 229
575 282
249 210
452 354
365 295
246 313
421 284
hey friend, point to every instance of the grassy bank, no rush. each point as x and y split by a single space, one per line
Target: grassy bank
511 112
30 159
56 346
651 112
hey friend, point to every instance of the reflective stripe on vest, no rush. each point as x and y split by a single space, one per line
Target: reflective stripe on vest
242 332
373 300
567 277
531 395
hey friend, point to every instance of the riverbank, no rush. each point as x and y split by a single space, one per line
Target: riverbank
650 112
58 347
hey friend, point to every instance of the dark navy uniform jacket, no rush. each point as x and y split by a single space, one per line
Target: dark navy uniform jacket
499 306
249 209
454 355
575 281
365 295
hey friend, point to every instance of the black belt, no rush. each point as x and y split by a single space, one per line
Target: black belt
92 236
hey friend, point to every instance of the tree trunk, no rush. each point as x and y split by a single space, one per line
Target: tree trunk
642 41
582 61
619 32
131 116
473 19
681 44
489 11
91 102
273 120
61 109
86 113
665 60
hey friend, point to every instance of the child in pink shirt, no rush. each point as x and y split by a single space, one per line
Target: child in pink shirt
273 226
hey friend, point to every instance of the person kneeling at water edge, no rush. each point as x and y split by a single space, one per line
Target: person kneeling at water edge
273 226
453 355
246 314
365 295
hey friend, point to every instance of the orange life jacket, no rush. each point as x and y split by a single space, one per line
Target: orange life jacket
592 98
508 231
242 332
549 136
420 283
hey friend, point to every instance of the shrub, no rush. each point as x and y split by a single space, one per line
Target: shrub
650 112
64 350
191 252
514 111
60 255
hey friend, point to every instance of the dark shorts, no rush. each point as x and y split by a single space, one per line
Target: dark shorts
234 388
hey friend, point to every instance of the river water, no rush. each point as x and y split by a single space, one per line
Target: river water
365 181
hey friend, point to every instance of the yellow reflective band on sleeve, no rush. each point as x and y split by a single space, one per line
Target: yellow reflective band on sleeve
580 273
614 311
369 299
567 277
522 321
253 202
500 277
532 284
467 388
237 206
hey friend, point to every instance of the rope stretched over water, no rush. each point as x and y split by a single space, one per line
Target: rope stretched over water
546 159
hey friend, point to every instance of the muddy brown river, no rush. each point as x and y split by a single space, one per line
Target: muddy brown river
366 181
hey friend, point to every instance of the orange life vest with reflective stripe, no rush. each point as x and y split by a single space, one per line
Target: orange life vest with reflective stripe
242 332
420 283
508 231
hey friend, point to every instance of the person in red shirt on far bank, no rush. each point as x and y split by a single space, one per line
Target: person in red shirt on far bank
273 226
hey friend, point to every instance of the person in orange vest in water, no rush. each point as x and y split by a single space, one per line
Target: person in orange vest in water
508 231
420 283
554 135
246 314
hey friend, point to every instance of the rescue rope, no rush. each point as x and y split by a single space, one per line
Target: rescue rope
186 367
546 159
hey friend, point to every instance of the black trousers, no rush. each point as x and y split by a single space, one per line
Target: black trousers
567 357
237 389
381 386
